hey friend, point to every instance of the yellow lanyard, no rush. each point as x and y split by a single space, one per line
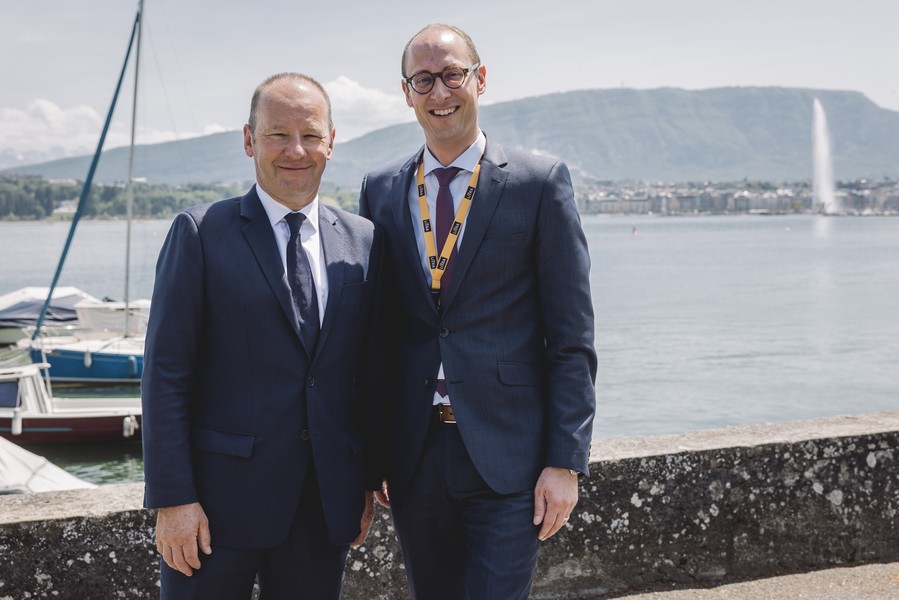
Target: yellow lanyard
438 266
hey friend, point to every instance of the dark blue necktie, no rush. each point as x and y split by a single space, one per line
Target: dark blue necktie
302 286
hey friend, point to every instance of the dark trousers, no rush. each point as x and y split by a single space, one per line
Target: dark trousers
306 565
460 539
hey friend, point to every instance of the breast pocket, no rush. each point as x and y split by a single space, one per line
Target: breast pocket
356 291
503 241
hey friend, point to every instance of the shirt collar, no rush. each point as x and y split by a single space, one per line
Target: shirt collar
466 161
277 211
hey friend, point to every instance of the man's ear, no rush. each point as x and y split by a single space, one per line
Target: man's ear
248 140
407 92
482 79
331 143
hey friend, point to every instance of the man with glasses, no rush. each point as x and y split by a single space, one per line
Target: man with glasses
492 325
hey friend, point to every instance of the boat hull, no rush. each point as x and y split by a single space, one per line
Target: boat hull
96 367
64 429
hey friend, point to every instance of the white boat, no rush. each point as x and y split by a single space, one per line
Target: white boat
97 318
29 414
23 472
20 311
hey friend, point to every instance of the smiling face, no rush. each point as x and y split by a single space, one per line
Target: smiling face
290 142
449 117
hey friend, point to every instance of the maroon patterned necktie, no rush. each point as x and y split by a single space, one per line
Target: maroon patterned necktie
445 217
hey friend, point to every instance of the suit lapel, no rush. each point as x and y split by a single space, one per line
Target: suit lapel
257 230
490 188
401 184
333 253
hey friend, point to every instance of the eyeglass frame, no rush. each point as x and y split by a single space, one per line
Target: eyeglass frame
465 73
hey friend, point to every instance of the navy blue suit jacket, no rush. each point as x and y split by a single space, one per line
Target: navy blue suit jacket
515 333
234 406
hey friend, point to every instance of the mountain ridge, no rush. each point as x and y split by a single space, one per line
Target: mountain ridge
670 134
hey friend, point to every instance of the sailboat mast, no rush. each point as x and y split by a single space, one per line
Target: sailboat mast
86 188
129 197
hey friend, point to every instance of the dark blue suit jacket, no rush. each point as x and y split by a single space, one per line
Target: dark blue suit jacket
234 407
516 330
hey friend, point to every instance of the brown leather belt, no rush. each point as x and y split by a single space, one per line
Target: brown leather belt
444 413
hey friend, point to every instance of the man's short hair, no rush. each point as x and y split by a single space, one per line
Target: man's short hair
298 77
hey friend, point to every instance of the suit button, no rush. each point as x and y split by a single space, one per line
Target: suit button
444 332
310 381
428 383
304 435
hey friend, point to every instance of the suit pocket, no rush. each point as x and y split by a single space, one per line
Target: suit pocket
357 286
223 442
519 373
502 241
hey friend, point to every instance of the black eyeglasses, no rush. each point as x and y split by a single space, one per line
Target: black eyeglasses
452 77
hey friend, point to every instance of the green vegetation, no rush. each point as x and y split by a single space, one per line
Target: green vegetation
345 197
30 197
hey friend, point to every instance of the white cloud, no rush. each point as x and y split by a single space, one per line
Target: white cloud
45 128
359 110
45 131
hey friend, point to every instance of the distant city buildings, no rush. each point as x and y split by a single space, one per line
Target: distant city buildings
860 197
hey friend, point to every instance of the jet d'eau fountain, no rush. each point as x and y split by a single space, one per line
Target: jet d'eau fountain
824 195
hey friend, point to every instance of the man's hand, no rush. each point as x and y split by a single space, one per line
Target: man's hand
554 498
180 530
367 515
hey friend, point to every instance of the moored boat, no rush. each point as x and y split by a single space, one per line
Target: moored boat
29 414
101 350
91 360
20 311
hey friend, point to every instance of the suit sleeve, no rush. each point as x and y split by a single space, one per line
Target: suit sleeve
170 358
364 208
382 347
563 272
374 372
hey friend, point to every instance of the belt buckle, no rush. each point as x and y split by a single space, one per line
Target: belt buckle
445 414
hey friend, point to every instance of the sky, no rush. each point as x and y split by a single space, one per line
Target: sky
201 59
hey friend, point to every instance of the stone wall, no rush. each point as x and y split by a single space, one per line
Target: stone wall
735 503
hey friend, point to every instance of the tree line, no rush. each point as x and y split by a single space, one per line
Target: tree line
26 197
30 197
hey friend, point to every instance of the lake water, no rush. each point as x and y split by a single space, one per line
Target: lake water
701 322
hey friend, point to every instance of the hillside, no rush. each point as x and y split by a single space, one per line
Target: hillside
721 134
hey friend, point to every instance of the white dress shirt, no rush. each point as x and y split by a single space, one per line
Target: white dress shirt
309 238
465 161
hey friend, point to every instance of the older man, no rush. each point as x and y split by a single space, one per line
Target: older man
259 401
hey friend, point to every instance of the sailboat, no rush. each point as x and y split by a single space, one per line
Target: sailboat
109 345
